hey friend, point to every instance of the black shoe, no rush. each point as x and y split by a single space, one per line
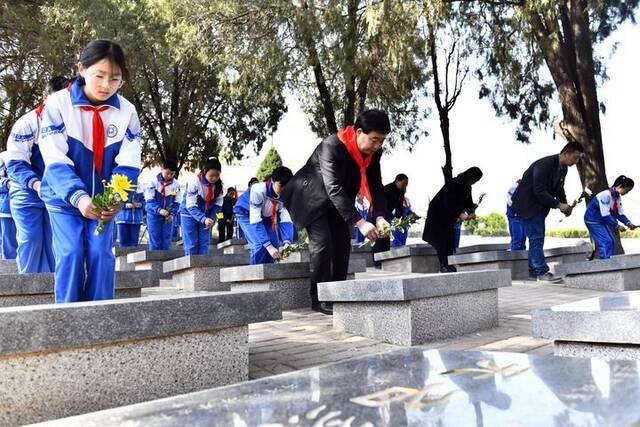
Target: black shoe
448 269
323 307
549 277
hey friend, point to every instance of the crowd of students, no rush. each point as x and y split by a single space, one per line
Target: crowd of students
60 155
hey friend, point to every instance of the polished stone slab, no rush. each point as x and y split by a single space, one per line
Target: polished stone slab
148 255
232 242
124 251
38 288
416 308
409 387
233 246
202 272
69 359
605 327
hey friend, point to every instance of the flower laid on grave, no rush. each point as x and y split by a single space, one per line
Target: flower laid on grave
293 248
115 193
398 224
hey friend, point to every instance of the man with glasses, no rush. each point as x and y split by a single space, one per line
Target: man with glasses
321 197
25 168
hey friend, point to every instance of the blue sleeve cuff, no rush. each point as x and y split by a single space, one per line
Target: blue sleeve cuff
32 181
75 197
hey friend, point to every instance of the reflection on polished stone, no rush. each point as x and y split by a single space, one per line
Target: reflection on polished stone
413 387
621 301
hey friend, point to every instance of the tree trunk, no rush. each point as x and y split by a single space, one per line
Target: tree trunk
350 43
443 111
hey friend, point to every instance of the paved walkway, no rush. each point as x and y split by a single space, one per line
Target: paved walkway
305 338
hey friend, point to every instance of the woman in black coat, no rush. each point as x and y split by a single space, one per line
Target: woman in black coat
321 196
452 203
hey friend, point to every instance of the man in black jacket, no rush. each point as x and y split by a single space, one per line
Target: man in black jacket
321 196
542 189
394 193
225 217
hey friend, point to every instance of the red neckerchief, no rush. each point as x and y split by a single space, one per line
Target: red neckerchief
98 134
208 198
614 203
39 110
348 137
274 207
163 189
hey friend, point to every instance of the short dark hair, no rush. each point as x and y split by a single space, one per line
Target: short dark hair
401 177
282 174
471 175
170 164
100 49
211 163
230 189
252 181
623 181
55 84
373 120
572 147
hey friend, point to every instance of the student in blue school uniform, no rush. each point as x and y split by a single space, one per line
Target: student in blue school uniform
25 168
176 232
129 220
161 206
604 213
516 229
201 203
400 236
8 242
362 206
88 133
257 212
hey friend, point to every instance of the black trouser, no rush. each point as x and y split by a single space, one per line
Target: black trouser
329 249
382 245
225 229
444 244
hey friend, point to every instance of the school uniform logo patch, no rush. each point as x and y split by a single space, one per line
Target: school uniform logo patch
112 131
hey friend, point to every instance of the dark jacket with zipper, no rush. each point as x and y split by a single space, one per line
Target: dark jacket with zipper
541 188
331 180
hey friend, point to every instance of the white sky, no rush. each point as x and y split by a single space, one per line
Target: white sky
481 139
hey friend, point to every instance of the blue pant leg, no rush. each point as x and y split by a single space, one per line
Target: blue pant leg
399 238
190 234
603 238
518 237
457 231
167 230
257 253
154 227
69 247
9 242
134 234
100 262
48 255
30 237
534 228
204 238
123 234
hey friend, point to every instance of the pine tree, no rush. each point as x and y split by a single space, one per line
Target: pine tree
270 162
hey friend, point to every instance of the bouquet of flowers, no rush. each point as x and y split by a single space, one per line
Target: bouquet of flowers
293 248
585 193
396 225
115 193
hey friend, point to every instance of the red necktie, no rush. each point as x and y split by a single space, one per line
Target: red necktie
98 136
274 211
209 198
614 205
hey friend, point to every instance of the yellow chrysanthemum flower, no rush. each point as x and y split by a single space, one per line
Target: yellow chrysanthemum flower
121 185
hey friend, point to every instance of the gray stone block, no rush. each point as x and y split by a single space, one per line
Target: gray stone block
610 320
148 256
66 359
38 288
60 326
292 270
411 287
123 265
409 259
300 256
44 386
419 321
235 250
365 253
485 247
417 308
201 261
232 242
120 251
8 266
597 351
